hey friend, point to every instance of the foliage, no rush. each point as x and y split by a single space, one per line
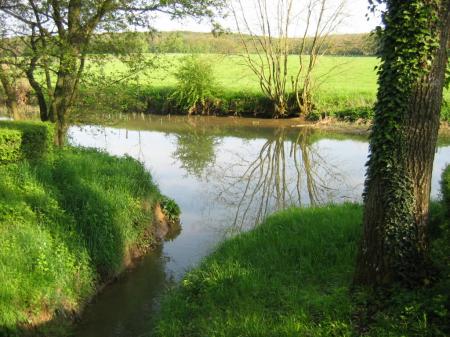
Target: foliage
10 142
170 208
229 43
37 138
352 115
196 85
57 35
65 226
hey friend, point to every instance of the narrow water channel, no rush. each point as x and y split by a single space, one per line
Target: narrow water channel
225 179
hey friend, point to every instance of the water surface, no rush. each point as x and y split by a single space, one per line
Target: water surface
226 178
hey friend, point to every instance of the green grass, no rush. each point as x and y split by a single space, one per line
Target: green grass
65 227
288 277
291 276
343 85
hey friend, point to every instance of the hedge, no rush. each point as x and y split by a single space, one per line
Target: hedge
37 138
10 143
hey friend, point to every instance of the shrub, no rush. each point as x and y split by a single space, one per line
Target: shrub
170 208
10 141
195 86
37 138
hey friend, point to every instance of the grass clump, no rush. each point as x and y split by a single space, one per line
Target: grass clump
66 226
288 277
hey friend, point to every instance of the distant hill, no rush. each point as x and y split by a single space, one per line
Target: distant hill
193 42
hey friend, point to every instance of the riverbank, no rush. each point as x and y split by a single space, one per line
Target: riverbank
71 220
291 276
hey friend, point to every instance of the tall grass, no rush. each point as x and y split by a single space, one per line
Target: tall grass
66 226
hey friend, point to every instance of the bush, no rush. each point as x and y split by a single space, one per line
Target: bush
10 142
195 86
37 138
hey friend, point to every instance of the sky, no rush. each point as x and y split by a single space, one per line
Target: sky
355 22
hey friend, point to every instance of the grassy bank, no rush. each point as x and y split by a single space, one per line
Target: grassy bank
68 224
291 276
345 87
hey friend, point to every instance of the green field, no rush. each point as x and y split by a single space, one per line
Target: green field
341 83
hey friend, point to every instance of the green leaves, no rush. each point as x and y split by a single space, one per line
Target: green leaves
10 142
196 85
36 138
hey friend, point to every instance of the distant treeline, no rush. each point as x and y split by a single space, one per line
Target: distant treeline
191 42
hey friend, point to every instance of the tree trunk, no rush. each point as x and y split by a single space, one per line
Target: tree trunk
43 109
11 97
394 250
65 89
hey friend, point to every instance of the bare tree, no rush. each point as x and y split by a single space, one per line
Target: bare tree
266 37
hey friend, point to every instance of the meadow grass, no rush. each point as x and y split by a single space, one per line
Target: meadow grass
341 84
66 226
291 276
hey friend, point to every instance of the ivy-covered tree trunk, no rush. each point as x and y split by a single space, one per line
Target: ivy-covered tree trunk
403 140
64 92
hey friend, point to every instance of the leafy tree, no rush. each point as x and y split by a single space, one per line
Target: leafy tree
413 54
57 34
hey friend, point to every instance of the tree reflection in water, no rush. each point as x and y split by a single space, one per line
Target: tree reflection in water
287 171
196 151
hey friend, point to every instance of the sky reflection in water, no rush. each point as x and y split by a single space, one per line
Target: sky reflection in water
223 182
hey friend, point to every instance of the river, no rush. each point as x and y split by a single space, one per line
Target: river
226 177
